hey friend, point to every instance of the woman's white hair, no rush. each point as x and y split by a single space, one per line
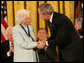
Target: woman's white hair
21 15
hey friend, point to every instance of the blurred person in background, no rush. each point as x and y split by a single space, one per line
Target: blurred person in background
45 55
7 48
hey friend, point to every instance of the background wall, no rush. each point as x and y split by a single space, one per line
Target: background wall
64 7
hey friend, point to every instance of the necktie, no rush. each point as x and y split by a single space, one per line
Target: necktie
50 25
51 28
11 44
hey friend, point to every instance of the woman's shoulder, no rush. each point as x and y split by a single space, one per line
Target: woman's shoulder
16 27
31 26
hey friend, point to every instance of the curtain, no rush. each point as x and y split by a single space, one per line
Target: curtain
64 7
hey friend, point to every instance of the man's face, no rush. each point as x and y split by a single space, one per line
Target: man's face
43 16
10 35
42 35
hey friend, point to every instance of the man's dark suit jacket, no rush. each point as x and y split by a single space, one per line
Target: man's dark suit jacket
43 57
65 36
4 49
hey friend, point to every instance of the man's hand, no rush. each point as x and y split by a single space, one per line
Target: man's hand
44 38
41 44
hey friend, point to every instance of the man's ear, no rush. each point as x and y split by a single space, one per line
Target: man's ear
47 15
47 35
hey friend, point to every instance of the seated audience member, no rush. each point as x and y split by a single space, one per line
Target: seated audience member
7 47
45 55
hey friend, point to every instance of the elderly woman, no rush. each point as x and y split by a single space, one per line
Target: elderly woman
24 39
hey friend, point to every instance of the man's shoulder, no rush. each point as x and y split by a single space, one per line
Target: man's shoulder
5 42
60 17
59 14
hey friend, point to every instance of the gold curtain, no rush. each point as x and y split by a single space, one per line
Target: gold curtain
41 21
32 7
10 19
64 7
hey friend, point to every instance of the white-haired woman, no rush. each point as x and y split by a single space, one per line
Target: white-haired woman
24 39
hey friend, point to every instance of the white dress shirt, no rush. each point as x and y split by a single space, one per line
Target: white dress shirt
51 18
10 44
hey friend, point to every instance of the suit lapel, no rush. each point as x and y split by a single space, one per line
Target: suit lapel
54 21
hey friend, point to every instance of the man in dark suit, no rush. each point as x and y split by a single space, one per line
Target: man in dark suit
63 34
45 55
7 47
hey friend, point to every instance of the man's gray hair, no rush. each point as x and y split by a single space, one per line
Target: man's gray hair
43 29
46 8
8 28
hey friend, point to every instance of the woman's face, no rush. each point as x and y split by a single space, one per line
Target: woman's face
27 20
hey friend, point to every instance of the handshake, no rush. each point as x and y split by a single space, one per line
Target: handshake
41 44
